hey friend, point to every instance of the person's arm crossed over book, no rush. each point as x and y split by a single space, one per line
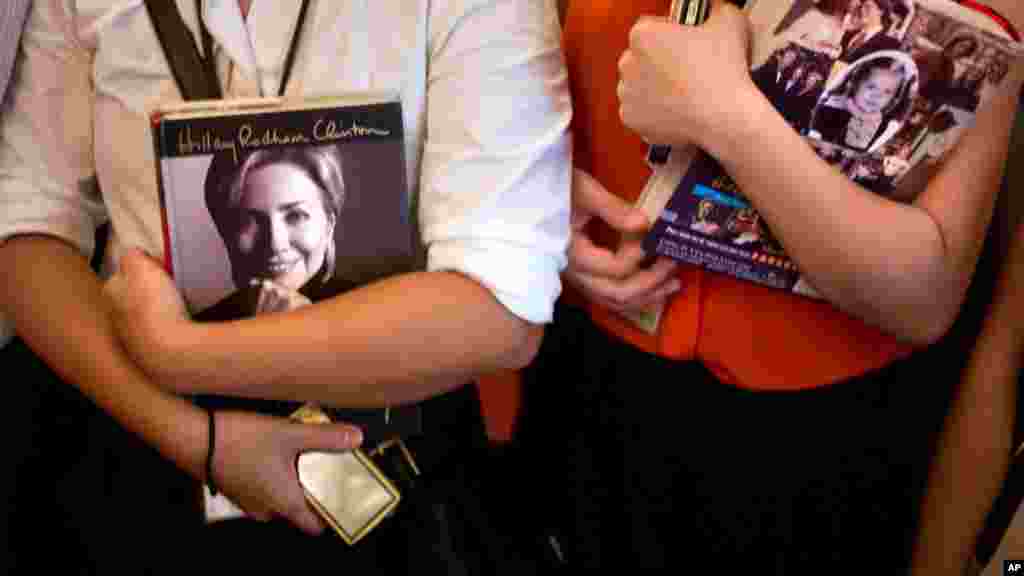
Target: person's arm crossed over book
882 257
492 159
494 261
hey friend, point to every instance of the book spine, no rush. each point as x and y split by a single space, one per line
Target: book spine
157 132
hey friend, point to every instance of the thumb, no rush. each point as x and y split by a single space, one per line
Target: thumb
593 198
327 437
717 7
134 261
723 13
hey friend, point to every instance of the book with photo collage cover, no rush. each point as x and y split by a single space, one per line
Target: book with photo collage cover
881 89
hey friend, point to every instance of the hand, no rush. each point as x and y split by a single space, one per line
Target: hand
613 279
682 84
272 297
146 308
254 463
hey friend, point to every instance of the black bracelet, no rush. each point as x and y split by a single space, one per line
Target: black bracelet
211 441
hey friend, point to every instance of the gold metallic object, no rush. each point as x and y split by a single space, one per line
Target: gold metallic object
346 489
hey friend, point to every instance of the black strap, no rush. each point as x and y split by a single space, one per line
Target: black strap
195 73
189 68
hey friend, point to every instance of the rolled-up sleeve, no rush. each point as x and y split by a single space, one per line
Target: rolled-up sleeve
47 181
495 175
47 177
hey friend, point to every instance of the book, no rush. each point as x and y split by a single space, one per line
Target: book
882 90
272 204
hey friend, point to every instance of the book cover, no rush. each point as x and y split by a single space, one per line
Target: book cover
270 205
881 89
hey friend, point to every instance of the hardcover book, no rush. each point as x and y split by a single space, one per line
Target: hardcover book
273 204
881 89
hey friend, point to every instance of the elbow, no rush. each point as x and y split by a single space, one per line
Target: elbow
929 331
523 346
930 323
924 300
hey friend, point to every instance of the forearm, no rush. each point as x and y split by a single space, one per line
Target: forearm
395 341
975 450
59 310
903 268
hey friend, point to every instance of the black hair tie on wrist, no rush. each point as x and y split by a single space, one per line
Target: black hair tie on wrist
211 441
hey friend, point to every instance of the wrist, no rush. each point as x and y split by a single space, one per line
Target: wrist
735 123
176 357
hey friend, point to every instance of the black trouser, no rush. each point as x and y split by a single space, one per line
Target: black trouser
657 463
86 497
453 519
91 498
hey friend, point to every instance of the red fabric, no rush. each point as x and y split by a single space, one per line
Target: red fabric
748 335
991 13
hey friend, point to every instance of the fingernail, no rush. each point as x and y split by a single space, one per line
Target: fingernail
637 220
354 436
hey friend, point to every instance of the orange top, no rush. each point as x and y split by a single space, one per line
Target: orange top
747 335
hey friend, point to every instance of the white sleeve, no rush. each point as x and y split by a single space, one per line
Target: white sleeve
47 179
496 169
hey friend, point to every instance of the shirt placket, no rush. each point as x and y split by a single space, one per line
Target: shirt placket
235 82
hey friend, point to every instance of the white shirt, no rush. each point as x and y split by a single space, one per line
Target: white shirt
484 93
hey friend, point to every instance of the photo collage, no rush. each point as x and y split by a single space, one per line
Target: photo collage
878 86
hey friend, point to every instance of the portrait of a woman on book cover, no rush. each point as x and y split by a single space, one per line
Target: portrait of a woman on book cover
276 211
866 104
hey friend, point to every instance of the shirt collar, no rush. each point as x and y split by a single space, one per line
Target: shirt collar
273 22
227 27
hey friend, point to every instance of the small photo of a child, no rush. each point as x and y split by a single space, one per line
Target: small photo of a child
867 103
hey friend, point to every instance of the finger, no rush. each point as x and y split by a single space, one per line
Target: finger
646 302
658 295
589 258
134 262
258 515
334 437
724 14
718 12
593 198
638 33
300 513
261 296
269 299
627 293
113 288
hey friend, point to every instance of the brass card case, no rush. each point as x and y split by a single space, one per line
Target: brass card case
346 489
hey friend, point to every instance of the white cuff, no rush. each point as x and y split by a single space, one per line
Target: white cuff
526 282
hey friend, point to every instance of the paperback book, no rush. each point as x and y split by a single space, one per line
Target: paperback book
881 90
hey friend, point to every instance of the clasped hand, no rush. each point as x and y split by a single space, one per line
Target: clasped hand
254 455
615 279
684 84
677 85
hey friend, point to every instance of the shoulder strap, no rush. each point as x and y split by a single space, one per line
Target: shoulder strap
194 75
